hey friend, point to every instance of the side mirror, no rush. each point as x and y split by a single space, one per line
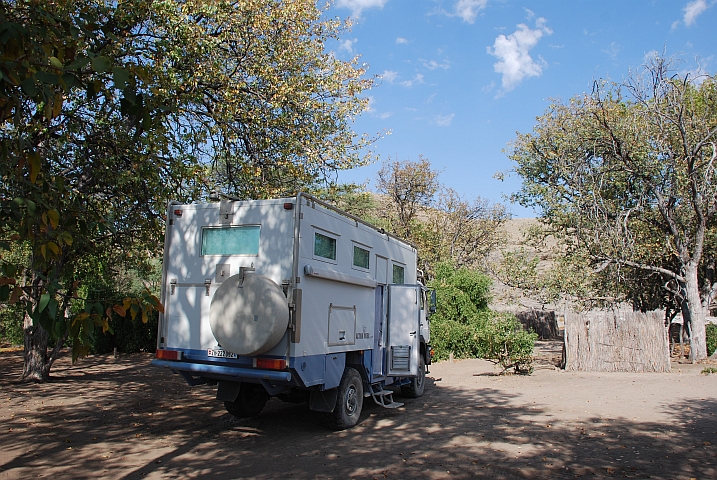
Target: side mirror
432 307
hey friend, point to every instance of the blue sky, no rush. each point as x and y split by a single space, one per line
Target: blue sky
459 78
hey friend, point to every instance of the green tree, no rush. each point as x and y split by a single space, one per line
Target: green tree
409 187
464 326
626 177
462 231
111 109
462 298
443 225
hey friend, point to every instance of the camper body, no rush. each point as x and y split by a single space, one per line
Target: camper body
292 298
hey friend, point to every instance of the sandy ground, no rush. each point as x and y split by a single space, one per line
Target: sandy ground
121 418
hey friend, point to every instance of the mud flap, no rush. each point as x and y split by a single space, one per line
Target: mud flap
323 401
228 391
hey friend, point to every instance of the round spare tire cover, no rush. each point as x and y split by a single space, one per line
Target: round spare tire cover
249 317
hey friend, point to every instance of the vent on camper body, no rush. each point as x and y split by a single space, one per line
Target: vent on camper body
400 357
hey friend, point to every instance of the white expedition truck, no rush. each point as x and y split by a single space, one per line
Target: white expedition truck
292 298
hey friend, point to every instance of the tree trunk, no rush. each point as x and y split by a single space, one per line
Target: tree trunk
35 358
698 335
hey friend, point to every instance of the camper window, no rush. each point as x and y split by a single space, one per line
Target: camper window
361 257
235 240
398 274
324 246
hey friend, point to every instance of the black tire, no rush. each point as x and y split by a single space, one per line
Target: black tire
349 401
418 384
250 402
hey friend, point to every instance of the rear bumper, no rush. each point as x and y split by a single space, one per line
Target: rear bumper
223 371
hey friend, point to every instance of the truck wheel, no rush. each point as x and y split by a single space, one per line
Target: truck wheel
250 402
418 383
349 401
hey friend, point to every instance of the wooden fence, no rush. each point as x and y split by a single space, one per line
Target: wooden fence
616 341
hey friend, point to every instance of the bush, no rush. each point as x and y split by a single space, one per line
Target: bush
465 327
450 336
11 318
711 330
503 341
129 336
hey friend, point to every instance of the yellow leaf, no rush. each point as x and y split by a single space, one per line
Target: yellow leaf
105 326
67 238
34 161
81 317
144 316
54 217
54 248
57 105
126 303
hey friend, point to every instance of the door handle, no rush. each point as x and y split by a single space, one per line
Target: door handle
412 333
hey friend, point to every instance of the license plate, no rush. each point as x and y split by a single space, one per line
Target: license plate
219 353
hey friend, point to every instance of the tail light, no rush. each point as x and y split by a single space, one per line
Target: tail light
270 363
168 354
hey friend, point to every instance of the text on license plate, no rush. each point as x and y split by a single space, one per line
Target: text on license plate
219 353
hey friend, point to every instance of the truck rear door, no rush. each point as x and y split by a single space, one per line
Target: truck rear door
403 321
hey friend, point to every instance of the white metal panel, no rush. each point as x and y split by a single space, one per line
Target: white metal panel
381 270
403 320
187 318
319 293
342 325
185 310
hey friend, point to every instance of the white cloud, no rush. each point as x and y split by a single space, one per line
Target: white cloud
401 40
371 102
389 75
444 120
373 111
357 6
418 78
433 65
512 51
347 45
468 9
613 49
650 56
693 10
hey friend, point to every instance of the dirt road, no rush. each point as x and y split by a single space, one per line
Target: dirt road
120 418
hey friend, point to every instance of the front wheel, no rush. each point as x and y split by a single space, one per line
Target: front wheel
418 383
250 402
349 401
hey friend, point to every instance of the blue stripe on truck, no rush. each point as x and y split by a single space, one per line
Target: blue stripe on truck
224 370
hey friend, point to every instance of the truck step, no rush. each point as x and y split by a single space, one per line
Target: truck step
383 397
